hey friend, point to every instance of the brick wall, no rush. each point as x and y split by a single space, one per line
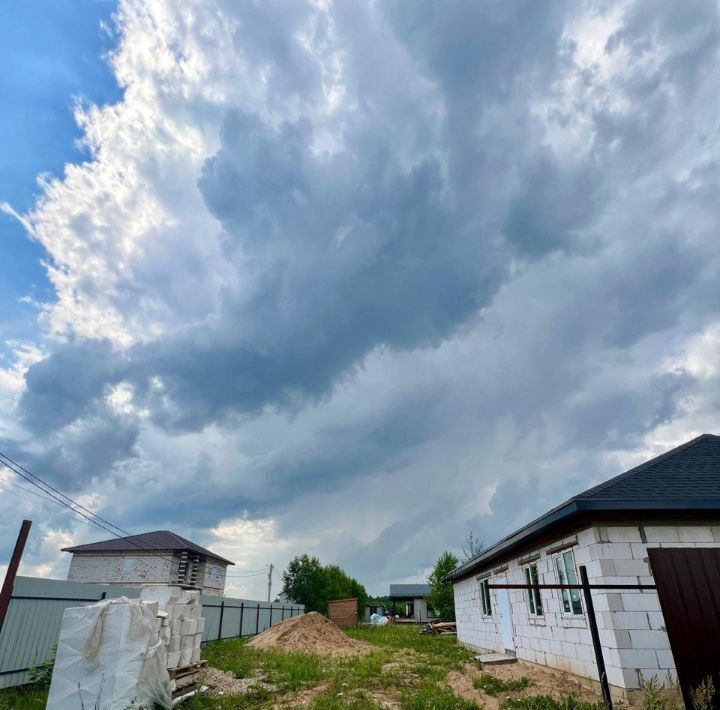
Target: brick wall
631 625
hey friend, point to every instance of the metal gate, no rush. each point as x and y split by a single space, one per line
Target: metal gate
688 585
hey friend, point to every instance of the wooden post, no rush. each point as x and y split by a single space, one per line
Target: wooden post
592 623
222 613
12 569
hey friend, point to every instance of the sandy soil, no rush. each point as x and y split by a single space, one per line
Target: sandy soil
310 633
543 681
225 683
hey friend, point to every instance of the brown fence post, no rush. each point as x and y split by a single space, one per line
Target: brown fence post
222 613
12 569
592 623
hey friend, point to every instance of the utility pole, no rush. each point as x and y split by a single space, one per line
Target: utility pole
12 569
270 571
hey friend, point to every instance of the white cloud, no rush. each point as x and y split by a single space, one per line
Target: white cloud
340 281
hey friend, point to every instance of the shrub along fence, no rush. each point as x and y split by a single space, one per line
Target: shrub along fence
32 626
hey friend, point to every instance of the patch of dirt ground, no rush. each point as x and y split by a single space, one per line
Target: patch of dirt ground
543 681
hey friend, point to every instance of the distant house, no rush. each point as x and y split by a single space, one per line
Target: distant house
159 557
412 599
656 524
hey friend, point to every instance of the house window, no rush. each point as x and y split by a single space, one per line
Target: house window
565 566
533 595
485 597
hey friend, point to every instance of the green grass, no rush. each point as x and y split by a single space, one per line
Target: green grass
495 686
441 649
434 697
546 702
23 698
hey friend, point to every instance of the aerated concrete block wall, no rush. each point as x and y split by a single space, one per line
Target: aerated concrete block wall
632 632
140 568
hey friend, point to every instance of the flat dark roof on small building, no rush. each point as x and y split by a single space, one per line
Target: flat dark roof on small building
409 591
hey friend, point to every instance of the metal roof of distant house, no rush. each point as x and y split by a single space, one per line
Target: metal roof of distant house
409 591
159 540
684 479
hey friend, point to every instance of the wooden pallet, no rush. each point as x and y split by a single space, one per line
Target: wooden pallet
181 671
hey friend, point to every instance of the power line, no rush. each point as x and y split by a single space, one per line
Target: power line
72 505
56 495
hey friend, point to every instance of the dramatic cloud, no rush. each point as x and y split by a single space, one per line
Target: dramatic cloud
354 279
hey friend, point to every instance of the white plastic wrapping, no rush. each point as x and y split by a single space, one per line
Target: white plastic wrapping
109 657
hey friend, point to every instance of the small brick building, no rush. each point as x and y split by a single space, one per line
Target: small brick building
159 557
672 501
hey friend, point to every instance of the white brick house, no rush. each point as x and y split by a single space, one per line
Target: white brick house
160 557
670 501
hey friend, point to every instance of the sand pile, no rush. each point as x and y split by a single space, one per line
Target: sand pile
310 633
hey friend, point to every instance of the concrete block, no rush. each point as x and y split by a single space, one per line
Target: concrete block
625 620
186 657
641 601
715 531
611 551
623 534
662 533
174 644
695 533
637 658
187 642
656 620
642 639
639 550
665 660
632 568
201 625
188 627
173 659
195 658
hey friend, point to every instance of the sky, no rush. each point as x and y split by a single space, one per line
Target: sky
350 279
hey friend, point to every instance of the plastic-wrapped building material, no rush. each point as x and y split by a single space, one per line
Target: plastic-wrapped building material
110 657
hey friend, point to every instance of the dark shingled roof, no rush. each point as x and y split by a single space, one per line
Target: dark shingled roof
159 540
686 478
409 591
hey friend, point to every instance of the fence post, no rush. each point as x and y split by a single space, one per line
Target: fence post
257 620
9 582
283 614
592 623
222 613
242 610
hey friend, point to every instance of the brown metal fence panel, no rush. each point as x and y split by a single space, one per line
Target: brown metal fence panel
688 585
344 612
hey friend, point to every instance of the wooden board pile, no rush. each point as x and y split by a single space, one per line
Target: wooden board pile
440 627
180 627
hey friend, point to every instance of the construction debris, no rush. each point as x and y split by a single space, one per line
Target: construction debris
440 627
310 633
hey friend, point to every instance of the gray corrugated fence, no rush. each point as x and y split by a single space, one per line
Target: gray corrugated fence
32 626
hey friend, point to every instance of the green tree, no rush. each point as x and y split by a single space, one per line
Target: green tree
306 581
441 593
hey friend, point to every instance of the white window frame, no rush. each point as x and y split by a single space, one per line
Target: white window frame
534 598
486 607
568 575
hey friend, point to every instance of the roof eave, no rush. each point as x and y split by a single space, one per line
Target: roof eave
574 509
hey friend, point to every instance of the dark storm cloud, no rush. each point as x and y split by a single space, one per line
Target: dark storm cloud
536 282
